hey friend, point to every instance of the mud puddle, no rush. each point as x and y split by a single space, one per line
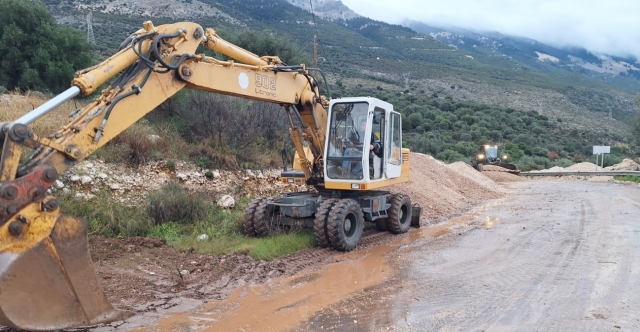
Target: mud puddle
283 304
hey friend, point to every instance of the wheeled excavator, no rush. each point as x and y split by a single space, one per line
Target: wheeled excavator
47 281
490 159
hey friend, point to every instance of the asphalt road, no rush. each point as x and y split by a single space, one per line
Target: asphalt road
554 256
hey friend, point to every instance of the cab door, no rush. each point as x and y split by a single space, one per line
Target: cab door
393 147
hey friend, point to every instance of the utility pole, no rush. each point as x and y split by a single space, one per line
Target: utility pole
91 39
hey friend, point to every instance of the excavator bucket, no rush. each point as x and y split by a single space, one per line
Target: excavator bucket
503 167
511 168
48 282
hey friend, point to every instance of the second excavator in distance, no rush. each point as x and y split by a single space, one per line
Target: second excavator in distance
347 149
490 158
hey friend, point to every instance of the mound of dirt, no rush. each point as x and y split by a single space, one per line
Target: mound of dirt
553 169
584 166
500 177
442 189
624 165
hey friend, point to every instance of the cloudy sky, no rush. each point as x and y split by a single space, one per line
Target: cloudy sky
610 27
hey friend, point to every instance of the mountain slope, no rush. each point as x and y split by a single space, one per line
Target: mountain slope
364 56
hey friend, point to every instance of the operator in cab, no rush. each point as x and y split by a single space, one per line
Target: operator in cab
358 137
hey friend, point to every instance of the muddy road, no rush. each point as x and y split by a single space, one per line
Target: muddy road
552 256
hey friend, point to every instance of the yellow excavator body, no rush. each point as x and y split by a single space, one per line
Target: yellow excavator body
47 280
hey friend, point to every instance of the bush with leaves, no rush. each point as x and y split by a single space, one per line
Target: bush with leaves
36 54
174 203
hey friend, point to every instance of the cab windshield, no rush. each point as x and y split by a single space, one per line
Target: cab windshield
491 152
347 128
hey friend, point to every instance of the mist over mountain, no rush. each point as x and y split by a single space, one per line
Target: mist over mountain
522 49
531 52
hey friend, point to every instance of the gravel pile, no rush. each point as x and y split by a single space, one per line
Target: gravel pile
584 166
624 165
442 189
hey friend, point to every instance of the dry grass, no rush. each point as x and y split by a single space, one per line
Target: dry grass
135 146
14 104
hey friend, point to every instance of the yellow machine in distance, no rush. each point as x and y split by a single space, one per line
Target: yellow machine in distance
490 158
46 277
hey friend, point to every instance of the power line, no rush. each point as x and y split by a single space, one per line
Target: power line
91 39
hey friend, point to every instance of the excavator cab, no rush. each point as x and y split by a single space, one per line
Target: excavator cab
364 142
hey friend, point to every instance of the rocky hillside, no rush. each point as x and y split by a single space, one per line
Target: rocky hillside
362 54
132 185
328 9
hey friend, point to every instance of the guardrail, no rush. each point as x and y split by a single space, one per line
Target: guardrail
583 173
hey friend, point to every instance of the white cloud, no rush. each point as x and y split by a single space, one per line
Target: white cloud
610 27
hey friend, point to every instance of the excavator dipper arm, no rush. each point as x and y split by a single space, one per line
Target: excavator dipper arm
46 276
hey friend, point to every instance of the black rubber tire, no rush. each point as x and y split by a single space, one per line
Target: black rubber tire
264 220
320 222
415 224
345 225
399 219
381 224
479 167
247 222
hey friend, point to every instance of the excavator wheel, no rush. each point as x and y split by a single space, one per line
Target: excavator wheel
479 167
247 223
345 225
399 219
265 218
320 222
47 281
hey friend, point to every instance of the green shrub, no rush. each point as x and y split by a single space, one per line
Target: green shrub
204 162
609 160
169 231
174 203
107 217
562 162
451 156
171 165
627 178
